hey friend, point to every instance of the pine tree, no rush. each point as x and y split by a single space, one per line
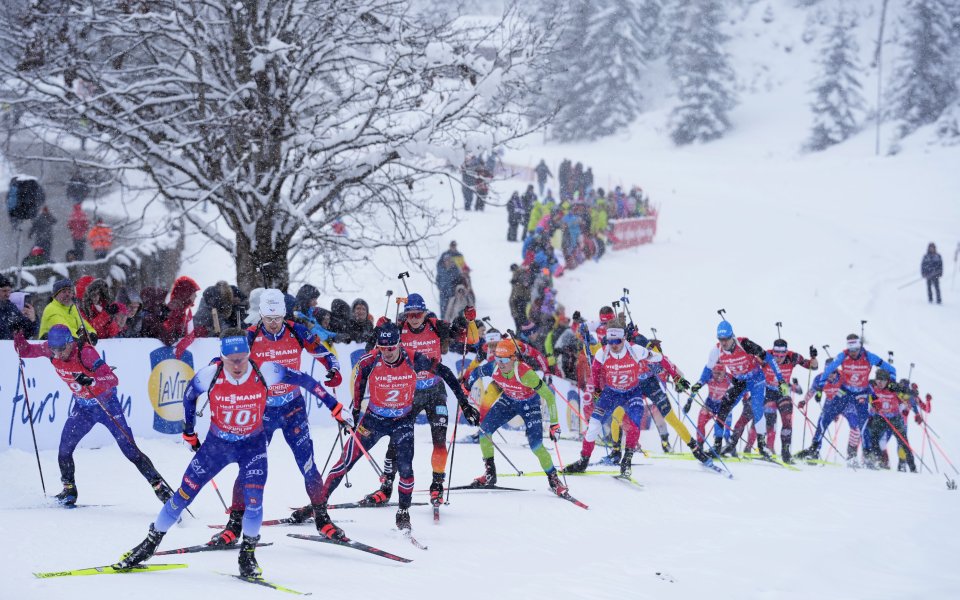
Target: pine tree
838 105
702 72
925 80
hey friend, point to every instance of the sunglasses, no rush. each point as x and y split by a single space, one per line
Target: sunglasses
272 320
724 340
416 314
390 348
504 360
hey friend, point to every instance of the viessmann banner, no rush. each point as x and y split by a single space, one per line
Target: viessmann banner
152 384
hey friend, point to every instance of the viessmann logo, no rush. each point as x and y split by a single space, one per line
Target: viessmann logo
279 353
234 398
397 379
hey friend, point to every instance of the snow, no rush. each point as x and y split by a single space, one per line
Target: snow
748 224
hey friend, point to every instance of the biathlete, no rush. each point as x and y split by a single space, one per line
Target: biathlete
238 390
93 389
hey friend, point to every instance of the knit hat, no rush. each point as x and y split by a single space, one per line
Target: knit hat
272 303
5 281
59 285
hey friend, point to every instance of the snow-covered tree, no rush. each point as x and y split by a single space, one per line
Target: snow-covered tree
604 89
702 73
925 80
290 117
838 104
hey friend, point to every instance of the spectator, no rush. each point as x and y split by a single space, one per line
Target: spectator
340 316
514 215
24 199
179 315
528 200
16 314
361 323
521 280
576 181
931 268
101 311
42 230
71 256
77 188
449 276
564 176
461 299
78 224
306 300
215 310
587 181
101 239
467 181
132 301
36 258
62 311
482 185
153 312
543 172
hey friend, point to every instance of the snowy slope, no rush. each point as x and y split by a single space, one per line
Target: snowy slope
748 224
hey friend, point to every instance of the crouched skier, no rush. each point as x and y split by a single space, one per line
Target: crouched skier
237 389
391 375
93 386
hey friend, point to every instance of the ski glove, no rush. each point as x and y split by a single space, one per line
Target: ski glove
686 407
784 389
681 384
818 396
192 439
801 404
333 378
555 432
695 388
918 419
82 379
470 413
342 417
470 313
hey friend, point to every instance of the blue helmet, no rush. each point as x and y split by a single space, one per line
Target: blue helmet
59 336
724 330
415 303
389 335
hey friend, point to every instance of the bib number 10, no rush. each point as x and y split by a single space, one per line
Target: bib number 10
237 417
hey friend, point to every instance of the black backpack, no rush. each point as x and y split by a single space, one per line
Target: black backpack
24 198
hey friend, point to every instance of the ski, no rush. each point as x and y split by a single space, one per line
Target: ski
269 584
208 547
543 473
566 496
490 488
350 544
409 535
769 459
72 506
710 465
362 505
109 570
285 521
628 480
436 515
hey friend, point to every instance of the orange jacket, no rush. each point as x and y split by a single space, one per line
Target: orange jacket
101 237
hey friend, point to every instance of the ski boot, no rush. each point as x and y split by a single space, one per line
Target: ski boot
901 466
763 451
161 489
626 467
556 486
247 560
853 456
142 551
615 455
489 477
301 514
68 497
812 452
325 526
231 531
579 466
785 456
697 451
403 519
730 450
665 443
436 489
381 496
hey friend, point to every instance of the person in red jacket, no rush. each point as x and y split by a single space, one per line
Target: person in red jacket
78 224
170 322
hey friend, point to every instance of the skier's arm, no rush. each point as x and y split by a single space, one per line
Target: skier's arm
707 372
312 344
882 364
29 350
102 373
832 366
422 363
197 387
274 373
533 381
484 370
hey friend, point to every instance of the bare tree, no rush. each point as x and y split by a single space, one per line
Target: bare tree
290 117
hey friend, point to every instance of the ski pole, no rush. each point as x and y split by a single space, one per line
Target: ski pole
453 449
556 448
927 437
329 456
33 434
507 458
944 455
219 495
714 451
346 474
832 445
356 438
403 279
903 439
387 307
